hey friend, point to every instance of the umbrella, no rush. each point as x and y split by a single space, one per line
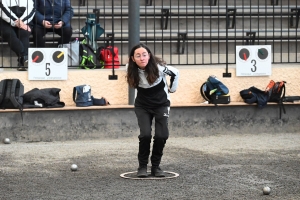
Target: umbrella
92 31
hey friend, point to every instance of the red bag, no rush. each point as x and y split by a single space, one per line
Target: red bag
110 56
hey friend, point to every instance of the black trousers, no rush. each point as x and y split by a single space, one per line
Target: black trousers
145 117
39 32
18 39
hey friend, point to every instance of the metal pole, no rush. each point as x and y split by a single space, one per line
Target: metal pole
134 35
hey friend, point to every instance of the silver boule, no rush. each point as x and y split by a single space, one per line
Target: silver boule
266 190
74 167
6 141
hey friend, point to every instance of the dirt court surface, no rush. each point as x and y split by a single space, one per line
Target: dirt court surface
216 167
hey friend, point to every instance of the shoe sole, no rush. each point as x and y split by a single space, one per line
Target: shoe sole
162 175
142 176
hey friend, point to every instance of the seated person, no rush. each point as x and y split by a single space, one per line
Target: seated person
15 27
52 16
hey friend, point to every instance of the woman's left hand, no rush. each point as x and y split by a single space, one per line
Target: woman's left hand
58 25
19 23
26 27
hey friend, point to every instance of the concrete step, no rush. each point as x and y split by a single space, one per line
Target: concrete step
182 2
175 10
175 23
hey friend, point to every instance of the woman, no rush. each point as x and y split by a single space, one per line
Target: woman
147 74
15 27
52 16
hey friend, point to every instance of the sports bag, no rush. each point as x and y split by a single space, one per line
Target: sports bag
73 52
110 56
89 58
214 91
82 96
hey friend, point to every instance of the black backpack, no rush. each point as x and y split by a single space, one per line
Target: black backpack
11 94
214 91
276 92
89 57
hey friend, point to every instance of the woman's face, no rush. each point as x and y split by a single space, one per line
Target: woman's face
141 57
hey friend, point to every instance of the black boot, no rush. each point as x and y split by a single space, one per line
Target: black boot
157 151
157 172
144 151
142 171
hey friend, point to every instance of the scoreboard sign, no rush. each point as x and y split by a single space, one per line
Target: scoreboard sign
253 60
48 64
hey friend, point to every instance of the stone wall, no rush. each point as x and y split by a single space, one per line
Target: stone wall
191 78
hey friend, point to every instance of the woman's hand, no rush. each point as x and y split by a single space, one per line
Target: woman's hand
26 27
20 24
47 24
58 25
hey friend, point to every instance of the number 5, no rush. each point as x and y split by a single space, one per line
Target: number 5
47 69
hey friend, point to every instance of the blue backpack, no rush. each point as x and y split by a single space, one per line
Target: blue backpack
82 96
214 91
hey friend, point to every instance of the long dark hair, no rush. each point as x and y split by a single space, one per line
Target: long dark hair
151 69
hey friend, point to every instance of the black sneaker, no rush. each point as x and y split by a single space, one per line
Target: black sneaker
157 172
142 172
21 69
23 63
26 63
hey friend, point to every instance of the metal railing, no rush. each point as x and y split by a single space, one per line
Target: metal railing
190 32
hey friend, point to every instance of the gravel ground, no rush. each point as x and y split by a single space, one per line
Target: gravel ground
231 166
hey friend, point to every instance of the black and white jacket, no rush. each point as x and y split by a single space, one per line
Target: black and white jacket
11 10
157 94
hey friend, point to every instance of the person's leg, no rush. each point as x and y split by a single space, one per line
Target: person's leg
18 41
38 36
144 121
161 135
65 34
24 38
9 34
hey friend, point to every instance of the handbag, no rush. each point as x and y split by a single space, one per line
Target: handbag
73 52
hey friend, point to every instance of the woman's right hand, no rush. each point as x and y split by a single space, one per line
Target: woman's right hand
47 24
20 24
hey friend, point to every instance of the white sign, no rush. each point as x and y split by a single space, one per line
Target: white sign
253 60
48 64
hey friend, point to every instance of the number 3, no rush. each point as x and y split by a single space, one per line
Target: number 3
254 65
